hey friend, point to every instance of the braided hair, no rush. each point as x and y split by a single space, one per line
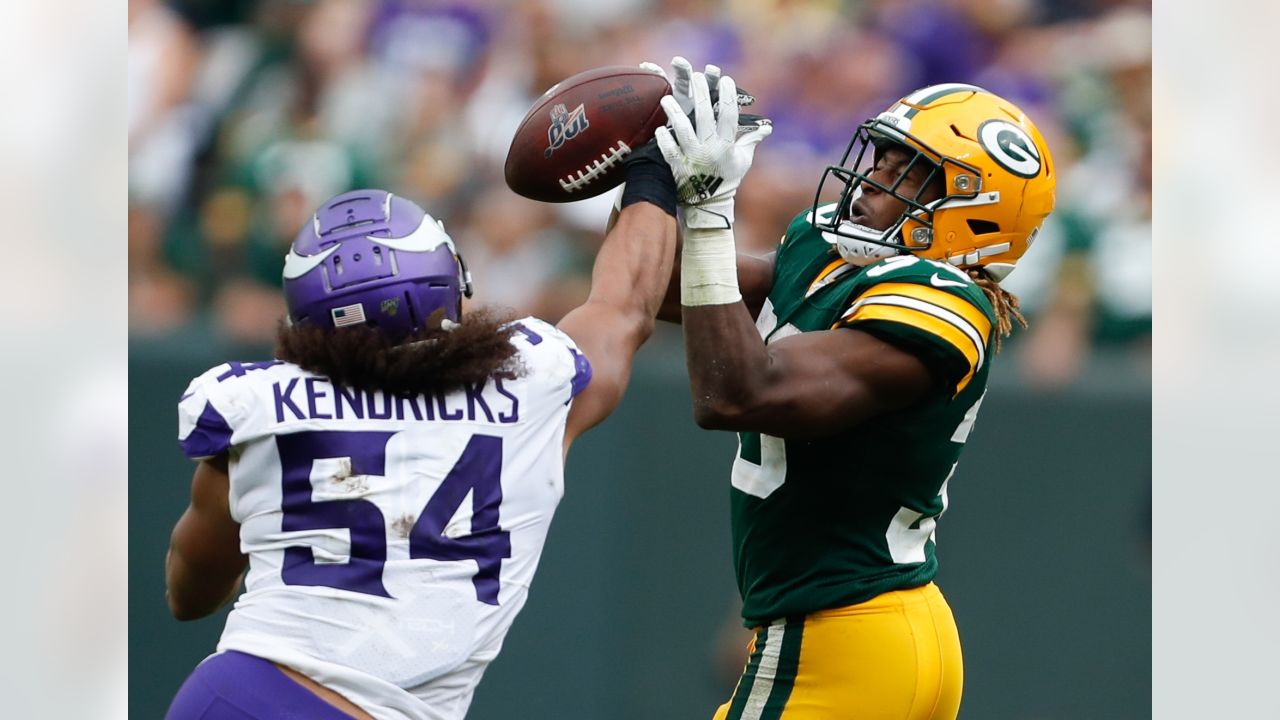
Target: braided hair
1004 302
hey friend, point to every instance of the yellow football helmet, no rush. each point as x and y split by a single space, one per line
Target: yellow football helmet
998 174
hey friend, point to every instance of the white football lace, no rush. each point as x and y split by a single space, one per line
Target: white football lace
595 169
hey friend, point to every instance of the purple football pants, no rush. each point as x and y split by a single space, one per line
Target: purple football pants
236 686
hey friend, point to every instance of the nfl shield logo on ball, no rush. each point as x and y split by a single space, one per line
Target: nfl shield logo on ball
565 126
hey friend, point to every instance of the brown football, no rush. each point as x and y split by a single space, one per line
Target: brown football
572 143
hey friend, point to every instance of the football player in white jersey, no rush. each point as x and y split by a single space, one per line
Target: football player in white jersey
384 486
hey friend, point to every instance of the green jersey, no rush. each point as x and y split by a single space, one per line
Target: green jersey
834 522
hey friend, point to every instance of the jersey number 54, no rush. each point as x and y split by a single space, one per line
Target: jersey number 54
478 471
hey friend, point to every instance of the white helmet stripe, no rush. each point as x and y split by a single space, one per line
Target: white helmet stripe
426 237
295 265
924 96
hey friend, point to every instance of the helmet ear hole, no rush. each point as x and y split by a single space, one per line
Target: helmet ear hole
983 227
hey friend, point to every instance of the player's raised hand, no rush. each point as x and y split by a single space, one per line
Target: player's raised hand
681 79
707 156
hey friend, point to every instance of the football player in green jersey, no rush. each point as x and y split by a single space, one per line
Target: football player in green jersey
852 363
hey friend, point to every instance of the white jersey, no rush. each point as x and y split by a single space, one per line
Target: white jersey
391 539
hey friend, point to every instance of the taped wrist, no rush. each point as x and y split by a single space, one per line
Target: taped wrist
649 180
718 216
708 268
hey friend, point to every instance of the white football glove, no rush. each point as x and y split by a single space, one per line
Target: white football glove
681 78
709 161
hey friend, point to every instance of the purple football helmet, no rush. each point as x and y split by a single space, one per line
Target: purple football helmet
369 257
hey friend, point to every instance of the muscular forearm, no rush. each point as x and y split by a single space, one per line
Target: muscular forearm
726 357
634 265
627 284
670 309
727 360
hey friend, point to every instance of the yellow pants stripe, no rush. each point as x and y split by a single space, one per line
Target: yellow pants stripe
894 656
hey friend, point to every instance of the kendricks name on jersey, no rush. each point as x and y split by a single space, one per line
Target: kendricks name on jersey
316 398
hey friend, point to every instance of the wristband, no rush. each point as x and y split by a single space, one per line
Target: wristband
650 182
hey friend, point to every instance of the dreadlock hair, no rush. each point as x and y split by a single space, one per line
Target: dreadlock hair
1002 301
427 361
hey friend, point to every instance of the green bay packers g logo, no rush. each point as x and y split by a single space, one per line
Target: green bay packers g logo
1010 146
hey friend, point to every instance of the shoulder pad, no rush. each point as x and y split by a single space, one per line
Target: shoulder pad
554 354
208 410
928 305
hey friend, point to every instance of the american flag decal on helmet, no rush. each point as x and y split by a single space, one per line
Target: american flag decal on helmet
348 315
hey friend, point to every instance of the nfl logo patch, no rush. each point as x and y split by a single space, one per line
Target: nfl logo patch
348 315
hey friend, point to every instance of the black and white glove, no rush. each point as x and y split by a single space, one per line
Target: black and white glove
681 79
708 157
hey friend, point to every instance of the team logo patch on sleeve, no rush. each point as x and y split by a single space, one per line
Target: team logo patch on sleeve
1010 146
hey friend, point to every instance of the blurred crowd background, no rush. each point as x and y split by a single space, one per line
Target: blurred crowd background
244 115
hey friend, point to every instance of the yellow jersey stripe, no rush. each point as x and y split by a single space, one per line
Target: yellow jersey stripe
830 268
929 323
942 314
829 275
946 300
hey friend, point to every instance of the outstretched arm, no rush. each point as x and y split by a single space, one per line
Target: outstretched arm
755 279
627 285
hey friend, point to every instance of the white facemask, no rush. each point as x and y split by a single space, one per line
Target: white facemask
856 251
853 244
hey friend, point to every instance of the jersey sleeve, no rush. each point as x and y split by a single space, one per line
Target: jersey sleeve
941 317
205 417
797 228
553 358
